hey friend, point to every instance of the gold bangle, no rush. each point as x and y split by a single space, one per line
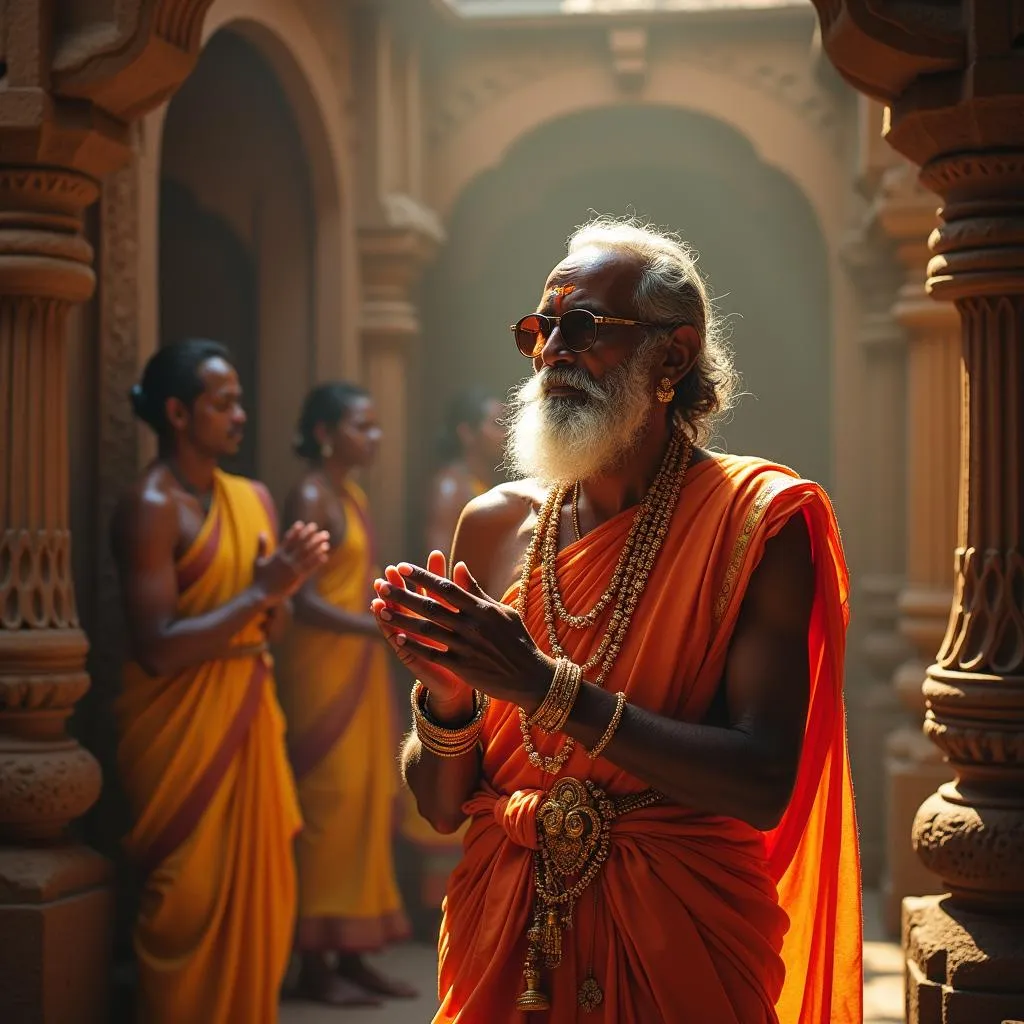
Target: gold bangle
620 706
439 739
554 710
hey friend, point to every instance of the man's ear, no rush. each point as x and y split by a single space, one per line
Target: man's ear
681 352
177 413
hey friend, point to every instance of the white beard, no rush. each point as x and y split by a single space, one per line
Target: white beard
558 439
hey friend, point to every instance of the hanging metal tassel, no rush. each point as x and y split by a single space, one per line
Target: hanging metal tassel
551 942
532 999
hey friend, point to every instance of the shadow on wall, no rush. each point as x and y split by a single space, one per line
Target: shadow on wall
759 244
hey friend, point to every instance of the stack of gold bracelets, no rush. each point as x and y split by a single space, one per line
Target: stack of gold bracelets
441 740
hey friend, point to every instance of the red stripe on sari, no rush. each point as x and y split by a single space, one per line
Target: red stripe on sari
187 816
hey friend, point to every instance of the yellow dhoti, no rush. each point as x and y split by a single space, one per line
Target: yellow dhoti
202 760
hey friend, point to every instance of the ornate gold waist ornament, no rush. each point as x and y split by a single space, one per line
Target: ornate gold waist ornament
574 837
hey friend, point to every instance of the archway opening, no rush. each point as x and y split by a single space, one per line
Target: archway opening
238 239
759 242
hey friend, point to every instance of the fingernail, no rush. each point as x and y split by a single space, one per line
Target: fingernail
405 570
400 639
384 588
385 614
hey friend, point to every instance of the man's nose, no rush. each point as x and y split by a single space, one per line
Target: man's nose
240 416
554 351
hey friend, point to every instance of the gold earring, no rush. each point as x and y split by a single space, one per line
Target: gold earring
665 392
326 450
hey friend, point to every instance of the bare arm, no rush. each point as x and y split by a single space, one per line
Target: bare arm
744 769
306 503
145 533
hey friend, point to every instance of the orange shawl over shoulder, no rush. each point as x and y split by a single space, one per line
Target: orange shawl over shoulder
694 917
202 760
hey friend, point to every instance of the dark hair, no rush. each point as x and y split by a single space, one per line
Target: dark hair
467 408
173 372
329 404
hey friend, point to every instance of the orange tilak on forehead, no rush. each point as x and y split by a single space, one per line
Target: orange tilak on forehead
558 296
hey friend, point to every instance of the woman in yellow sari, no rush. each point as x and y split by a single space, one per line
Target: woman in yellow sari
470 450
342 722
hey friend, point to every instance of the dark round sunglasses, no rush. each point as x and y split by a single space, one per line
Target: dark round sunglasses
578 328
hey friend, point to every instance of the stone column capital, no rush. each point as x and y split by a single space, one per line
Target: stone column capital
393 256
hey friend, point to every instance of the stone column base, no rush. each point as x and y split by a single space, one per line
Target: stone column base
962 967
56 931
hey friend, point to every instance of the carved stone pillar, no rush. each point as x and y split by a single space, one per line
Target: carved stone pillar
392 260
72 77
55 901
913 766
965 951
951 74
874 708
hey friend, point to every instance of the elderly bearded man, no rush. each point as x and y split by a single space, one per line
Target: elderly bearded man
647 730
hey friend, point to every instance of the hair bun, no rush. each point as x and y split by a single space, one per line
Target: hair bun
139 403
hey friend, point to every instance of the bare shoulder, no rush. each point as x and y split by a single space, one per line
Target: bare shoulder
147 510
502 508
307 495
494 532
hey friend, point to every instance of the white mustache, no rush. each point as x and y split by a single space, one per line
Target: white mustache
568 377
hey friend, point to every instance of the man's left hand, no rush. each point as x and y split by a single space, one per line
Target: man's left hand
484 642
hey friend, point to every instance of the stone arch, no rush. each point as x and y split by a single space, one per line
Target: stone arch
766 92
754 229
787 130
305 60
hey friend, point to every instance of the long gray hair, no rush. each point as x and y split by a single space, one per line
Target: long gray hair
671 292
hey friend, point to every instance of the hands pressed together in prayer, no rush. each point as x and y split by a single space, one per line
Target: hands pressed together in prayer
457 638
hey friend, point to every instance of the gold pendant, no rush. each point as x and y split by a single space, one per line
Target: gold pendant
590 995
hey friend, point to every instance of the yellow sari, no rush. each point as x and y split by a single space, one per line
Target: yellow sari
342 727
202 760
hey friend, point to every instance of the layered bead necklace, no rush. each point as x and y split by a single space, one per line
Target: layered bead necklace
625 588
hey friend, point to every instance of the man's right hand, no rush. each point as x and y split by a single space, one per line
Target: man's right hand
302 551
451 700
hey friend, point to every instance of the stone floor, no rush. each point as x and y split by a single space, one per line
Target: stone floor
883 984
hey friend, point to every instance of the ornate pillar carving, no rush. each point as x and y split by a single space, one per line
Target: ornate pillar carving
74 76
868 255
53 891
951 75
392 259
965 951
913 766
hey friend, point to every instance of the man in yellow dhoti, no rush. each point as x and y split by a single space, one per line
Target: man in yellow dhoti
471 450
336 692
201 751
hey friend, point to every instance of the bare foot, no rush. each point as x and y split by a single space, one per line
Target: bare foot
355 969
319 983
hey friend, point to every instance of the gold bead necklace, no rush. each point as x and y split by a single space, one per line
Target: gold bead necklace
625 588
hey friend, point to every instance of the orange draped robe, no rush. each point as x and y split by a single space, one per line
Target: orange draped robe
202 760
694 917
440 853
342 727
